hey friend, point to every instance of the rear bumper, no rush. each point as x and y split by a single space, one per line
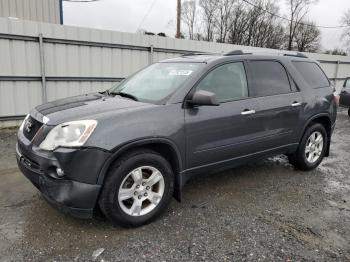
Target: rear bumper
75 198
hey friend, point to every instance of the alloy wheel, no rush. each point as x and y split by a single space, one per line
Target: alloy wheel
314 147
141 191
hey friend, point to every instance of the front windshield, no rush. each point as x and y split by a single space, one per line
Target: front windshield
156 82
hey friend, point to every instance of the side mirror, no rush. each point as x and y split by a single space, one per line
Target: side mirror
204 98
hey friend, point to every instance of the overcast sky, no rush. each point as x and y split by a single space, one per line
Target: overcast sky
131 15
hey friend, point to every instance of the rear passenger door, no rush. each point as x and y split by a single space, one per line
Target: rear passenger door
279 101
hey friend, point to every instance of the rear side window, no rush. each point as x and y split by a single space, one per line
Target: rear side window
269 78
312 74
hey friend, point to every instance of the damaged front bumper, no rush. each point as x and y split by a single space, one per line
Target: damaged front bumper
77 191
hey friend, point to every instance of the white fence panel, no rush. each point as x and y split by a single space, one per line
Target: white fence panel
18 96
81 60
38 10
62 89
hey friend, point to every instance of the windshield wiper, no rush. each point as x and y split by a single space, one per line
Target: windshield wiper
107 92
125 95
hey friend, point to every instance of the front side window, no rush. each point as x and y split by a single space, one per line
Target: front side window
226 81
312 74
269 78
156 82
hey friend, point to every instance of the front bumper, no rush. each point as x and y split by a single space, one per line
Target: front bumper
74 197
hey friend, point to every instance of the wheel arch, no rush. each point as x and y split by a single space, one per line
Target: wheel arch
163 146
325 120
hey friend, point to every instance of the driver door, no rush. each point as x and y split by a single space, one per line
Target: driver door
220 134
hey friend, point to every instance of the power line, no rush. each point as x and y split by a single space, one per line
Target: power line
287 19
147 13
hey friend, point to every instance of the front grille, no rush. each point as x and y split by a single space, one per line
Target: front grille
31 127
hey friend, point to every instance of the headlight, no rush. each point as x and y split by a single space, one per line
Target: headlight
69 134
22 125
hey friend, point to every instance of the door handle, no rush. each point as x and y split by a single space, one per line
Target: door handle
296 104
247 112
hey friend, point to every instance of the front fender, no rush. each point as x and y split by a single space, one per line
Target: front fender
118 151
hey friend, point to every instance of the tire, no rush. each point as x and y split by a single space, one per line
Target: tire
308 161
124 176
349 112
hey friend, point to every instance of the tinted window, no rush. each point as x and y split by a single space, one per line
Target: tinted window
227 82
158 81
312 74
269 78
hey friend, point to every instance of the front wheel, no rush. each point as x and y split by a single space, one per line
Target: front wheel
312 148
138 189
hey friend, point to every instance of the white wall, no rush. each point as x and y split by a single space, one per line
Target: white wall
37 10
91 60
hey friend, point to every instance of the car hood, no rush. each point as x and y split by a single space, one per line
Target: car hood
89 106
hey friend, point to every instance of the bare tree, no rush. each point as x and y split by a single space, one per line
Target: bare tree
209 11
307 37
239 24
255 15
346 21
223 19
256 25
336 51
188 16
277 37
298 9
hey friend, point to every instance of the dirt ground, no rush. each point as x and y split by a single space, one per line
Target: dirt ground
266 211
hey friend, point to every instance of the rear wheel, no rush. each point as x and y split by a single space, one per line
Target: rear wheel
138 189
312 148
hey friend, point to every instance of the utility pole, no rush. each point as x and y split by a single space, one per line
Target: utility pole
178 20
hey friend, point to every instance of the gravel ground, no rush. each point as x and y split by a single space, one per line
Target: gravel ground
266 211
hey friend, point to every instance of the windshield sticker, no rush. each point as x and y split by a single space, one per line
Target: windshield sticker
175 72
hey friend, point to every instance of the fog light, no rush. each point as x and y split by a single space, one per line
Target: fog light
59 172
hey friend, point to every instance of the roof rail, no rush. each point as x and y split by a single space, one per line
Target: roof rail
236 52
273 52
241 52
196 53
298 54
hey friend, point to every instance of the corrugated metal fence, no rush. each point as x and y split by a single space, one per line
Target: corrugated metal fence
42 62
48 11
